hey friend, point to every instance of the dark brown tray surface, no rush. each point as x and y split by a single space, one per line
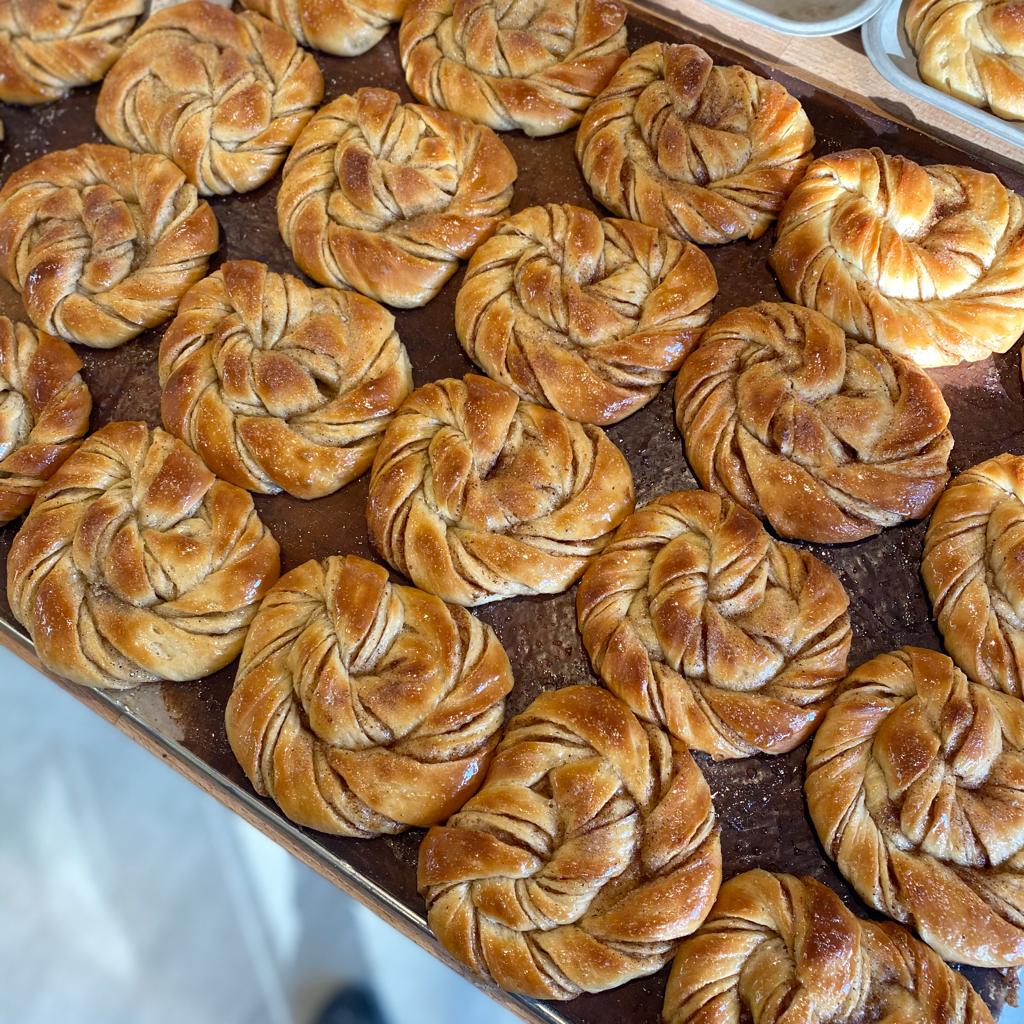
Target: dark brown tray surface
759 800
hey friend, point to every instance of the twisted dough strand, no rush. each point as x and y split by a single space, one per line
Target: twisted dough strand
387 197
530 64
701 152
223 95
477 496
702 623
972 49
345 28
827 439
586 315
590 850
927 262
362 707
279 386
915 784
137 564
973 568
778 948
44 412
102 243
50 46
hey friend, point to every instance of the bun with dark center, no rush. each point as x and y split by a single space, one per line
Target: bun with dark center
362 707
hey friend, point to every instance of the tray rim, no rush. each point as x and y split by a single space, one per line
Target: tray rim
262 814
884 31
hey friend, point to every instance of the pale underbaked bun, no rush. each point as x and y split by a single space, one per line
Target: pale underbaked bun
916 789
827 438
279 386
476 495
972 49
973 568
44 412
535 66
102 243
136 563
779 948
590 850
48 47
702 152
386 197
345 28
224 95
588 316
701 622
924 261
362 707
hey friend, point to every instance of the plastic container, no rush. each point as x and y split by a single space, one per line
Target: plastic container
887 47
803 17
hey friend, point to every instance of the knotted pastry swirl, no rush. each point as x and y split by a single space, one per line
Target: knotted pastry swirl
586 315
972 49
387 197
534 65
702 152
346 28
44 412
828 439
362 707
701 622
48 47
279 386
915 783
974 570
477 496
777 948
135 563
589 851
102 243
223 95
924 261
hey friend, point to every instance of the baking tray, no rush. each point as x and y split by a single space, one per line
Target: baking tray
803 17
759 800
889 50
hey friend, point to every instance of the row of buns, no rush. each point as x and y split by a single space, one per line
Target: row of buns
575 846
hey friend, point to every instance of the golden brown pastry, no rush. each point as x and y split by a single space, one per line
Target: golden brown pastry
44 412
974 570
702 623
828 439
915 784
224 95
927 262
279 386
476 495
972 49
102 243
535 65
362 707
50 46
590 850
387 197
342 27
586 315
702 152
778 948
136 563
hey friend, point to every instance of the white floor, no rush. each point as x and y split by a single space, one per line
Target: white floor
129 897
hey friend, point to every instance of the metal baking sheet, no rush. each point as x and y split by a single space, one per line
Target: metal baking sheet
889 50
759 800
